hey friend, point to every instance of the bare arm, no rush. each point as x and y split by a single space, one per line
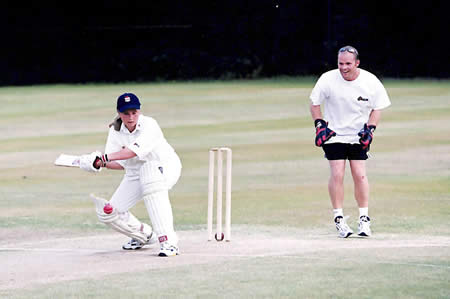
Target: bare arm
374 118
123 154
316 113
114 165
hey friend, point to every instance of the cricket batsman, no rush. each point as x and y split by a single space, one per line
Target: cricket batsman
352 100
137 145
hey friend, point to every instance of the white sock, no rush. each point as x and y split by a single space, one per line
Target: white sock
363 212
338 212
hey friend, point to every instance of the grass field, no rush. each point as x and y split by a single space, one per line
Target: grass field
284 244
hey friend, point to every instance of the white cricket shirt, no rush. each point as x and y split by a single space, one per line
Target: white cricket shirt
147 141
348 104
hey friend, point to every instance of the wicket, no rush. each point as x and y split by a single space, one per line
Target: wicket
219 236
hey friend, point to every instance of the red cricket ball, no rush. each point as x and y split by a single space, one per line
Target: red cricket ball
108 208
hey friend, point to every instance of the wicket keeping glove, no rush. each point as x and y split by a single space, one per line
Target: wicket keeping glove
366 135
323 133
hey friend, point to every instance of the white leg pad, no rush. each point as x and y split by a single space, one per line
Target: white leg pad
156 199
124 223
136 224
160 212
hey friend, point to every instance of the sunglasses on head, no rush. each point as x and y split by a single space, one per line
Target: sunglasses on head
349 49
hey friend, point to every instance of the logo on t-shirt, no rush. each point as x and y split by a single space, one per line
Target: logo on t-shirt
362 99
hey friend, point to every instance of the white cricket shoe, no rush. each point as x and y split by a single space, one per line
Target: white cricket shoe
135 244
168 250
364 226
341 225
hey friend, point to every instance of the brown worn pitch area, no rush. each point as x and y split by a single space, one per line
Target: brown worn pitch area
49 260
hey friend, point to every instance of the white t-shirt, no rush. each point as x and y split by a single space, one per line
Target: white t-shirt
347 104
147 141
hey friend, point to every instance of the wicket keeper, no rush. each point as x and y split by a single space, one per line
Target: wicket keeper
352 100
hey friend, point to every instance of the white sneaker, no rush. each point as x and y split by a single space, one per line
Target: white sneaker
341 225
135 244
168 250
364 226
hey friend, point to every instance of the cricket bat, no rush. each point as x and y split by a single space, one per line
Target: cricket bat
68 160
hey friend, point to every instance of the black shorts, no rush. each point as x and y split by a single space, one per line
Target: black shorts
344 151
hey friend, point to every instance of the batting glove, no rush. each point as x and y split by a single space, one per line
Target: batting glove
323 133
87 162
100 160
366 135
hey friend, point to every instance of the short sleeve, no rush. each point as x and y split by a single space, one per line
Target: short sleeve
112 144
319 92
381 97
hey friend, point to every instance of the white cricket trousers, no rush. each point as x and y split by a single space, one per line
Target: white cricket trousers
129 191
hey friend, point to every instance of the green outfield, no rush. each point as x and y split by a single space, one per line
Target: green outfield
284 244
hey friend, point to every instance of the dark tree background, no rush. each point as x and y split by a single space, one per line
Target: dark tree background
108 41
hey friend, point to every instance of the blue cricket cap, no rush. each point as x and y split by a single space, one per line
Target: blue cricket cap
128 101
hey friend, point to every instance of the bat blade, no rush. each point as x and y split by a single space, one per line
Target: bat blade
68 160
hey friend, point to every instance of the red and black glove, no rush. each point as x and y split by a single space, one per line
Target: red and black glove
366 135
323 133
100 161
